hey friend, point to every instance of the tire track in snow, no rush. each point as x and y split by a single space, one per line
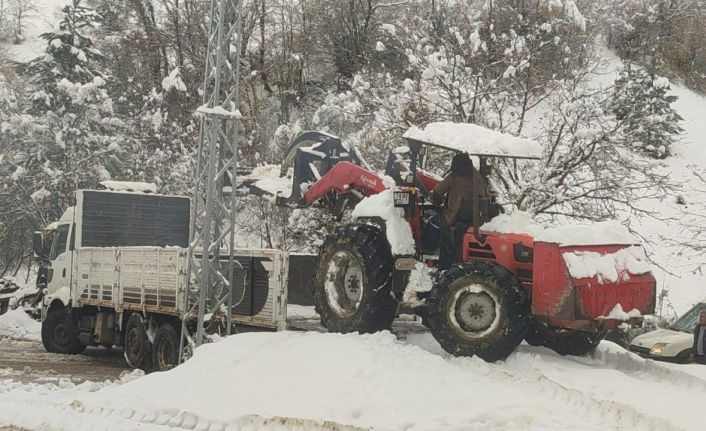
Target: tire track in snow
624 415
629 364
73 408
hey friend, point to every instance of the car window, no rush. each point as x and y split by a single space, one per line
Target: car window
687 322
59 246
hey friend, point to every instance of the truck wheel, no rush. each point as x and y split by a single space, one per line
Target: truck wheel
166 348
60 333
478 308
563 341
137 347
353 281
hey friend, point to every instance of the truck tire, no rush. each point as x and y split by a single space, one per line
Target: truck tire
563 341
137 347
353 281
478 308
166 348
60 333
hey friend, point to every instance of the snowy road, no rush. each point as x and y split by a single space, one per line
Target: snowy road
310 381
27 361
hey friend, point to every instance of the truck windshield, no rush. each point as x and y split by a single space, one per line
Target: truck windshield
687 322
59 245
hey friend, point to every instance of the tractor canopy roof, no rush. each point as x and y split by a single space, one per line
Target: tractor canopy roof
474 140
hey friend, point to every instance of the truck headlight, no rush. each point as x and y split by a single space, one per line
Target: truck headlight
657 348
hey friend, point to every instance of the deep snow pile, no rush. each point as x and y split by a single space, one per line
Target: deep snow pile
17 324
293 380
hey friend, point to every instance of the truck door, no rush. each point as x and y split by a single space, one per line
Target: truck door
59 274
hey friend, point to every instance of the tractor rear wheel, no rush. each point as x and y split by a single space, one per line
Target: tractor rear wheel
563 341
353 281
478 308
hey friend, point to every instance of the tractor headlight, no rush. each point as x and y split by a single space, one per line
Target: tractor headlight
657 348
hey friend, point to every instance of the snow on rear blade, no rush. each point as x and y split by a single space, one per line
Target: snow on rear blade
475 140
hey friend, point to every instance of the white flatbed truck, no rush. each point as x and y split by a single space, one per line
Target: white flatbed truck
117 276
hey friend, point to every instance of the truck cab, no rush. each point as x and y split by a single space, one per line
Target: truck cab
56 246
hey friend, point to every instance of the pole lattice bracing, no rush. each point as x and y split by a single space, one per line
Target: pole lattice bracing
213 211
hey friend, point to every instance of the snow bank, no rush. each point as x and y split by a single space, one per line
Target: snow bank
476 140
130 186
603 233
398 231
17 324
359 380
586 264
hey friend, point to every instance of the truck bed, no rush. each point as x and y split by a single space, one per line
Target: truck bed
137 278
152 279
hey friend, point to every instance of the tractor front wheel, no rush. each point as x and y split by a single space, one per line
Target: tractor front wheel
563 341
353 281
478 308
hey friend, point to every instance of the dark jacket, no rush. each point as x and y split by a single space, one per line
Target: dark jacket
696 338
458 191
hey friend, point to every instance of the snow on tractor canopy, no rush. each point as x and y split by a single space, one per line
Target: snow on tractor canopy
510 278
474 140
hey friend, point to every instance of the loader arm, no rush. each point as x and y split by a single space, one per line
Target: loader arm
344 178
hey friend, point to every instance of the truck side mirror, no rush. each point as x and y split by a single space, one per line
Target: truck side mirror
37 244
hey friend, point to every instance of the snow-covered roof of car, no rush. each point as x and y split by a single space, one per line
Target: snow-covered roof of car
475 140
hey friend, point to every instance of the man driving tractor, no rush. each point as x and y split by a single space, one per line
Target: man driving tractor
455 192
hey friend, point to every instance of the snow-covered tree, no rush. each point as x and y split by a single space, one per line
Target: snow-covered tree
66 137
643 104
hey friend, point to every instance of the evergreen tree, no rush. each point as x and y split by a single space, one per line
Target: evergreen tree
641 103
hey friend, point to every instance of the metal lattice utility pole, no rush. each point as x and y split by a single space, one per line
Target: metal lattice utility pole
211 252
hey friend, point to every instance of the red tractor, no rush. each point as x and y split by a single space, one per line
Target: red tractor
509 286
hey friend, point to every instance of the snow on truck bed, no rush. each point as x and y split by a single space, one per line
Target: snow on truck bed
475 140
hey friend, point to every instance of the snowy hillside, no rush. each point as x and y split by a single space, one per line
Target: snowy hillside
680 269
44 17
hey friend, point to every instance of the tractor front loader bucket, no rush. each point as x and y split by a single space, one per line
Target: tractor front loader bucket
311 155
591 287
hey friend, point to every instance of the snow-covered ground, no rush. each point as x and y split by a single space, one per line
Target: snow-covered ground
17 324
310 381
